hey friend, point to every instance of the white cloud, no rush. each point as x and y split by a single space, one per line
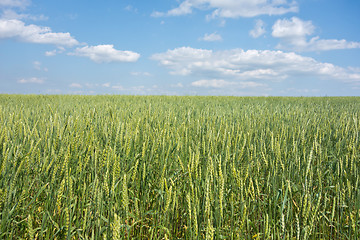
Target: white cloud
10 14
215 83
55 51
293 28
157 14
50 53
34 34
317 44
90 85
355 69
297 91
233 8
130 8
118 87
178 85
37 65
221 83
240 65
146 74
14 3
258 30
75 85
213 37
106 53
293 33
53 91
32 80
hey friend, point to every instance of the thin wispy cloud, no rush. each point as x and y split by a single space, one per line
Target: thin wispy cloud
76 85
232 8
15 3
146 74
131 8
34 80
9 14
212 37
224 84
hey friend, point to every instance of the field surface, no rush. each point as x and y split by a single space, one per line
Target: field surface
156 167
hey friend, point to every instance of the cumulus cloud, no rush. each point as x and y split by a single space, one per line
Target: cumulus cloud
213 37
32 80
233 8
106 53
240 65
294 32
34 34
293 28
258 30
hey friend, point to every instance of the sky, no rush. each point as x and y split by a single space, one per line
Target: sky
180 47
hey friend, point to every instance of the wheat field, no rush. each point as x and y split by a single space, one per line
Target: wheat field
166 167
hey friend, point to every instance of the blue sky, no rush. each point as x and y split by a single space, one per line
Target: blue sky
181 47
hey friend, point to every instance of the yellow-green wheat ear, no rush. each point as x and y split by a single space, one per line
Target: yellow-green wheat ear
116 225
31 231
125 197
